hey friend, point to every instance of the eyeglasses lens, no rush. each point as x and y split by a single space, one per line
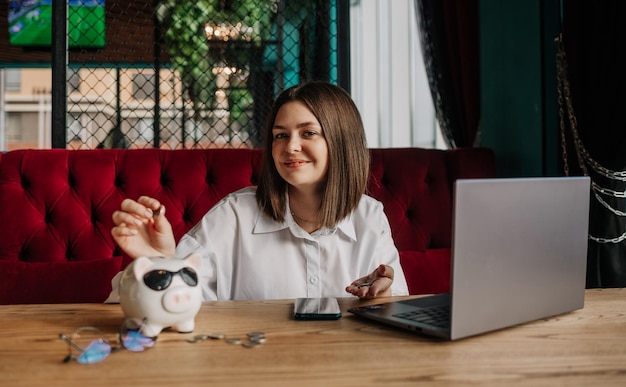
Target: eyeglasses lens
87 346
95 352
132 338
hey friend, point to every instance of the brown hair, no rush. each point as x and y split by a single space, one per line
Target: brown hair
348 155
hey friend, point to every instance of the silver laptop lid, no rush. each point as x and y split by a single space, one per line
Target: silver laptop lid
519 251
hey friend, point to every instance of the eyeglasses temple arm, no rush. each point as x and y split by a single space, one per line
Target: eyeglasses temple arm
70 342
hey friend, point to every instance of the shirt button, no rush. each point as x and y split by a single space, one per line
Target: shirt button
313 280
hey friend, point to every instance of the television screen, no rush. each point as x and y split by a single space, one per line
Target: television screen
30 23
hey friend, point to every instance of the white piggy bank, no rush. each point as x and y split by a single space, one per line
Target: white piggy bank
162 291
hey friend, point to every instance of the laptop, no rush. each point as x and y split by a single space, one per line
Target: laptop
519 254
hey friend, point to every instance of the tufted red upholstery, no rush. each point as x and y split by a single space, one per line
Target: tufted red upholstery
56 206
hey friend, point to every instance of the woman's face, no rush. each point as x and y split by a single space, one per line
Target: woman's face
299 148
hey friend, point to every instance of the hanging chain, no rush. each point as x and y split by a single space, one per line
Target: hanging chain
560 63
566 109
564 95
607 206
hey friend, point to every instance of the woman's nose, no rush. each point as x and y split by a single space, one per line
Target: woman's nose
294 144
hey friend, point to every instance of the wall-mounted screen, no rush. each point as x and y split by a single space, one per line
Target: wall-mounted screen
30 23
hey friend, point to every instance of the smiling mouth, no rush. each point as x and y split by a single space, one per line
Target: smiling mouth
295 163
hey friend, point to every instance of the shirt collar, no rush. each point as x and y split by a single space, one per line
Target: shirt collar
346 226
264 224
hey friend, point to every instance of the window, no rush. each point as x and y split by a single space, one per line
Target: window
13 79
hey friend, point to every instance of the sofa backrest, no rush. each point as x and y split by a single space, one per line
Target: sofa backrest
56 205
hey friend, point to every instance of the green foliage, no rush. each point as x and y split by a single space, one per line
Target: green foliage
240 101
194 55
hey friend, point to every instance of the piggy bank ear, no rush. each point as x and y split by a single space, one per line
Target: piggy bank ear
141 266
193 260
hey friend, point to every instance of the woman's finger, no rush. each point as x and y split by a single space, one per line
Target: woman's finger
122 217
136 208
122 231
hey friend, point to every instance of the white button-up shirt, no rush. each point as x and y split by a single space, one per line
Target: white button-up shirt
247 255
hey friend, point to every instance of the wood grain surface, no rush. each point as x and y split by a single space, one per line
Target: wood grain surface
586 347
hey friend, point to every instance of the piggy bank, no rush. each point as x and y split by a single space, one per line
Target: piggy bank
163 292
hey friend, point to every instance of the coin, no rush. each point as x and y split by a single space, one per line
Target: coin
233 340
197 338
258 339
217 336
251 344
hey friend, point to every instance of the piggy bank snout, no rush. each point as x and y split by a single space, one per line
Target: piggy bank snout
179 299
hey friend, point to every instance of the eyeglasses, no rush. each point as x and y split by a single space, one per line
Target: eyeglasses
162 279
88 345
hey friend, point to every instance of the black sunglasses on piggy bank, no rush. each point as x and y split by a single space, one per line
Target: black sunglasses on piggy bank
161 279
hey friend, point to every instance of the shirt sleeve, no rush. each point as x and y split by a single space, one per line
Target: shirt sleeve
207 277
386 249
214 239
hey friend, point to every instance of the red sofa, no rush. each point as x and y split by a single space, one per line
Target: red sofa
56 206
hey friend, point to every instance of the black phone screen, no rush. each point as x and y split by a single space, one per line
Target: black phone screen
316 309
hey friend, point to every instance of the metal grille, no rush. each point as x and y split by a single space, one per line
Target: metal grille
193 74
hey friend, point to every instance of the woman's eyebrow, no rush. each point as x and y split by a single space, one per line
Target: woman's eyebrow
299 125
307 123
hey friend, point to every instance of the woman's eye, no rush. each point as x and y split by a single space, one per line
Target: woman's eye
280 135
310 133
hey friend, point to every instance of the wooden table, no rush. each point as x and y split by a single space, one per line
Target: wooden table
585 347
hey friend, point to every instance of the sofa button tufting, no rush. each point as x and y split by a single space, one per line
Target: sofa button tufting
25 183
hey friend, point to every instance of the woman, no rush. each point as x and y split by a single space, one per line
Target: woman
307 230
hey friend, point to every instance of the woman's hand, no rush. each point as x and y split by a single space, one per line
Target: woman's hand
141 228
376 284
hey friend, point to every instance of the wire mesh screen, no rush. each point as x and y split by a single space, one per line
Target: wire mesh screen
190 74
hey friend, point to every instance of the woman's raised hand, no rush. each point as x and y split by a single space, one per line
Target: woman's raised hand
141 228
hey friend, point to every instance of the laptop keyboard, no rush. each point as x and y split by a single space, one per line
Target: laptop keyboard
438 315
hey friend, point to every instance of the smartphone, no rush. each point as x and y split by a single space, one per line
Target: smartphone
316 309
